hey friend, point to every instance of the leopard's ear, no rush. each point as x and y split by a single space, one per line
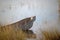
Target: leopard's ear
33 18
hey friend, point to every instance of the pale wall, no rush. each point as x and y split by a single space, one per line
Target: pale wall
46 12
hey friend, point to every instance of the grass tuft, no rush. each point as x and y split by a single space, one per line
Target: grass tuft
10 33
47 35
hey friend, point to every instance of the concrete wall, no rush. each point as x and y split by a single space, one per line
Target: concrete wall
46 12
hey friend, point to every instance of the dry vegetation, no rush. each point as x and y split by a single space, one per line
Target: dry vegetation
10 33
47 35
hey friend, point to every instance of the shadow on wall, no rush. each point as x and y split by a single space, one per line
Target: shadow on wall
24 24
19 30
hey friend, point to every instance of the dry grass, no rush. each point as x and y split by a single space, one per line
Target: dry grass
47 35
10 33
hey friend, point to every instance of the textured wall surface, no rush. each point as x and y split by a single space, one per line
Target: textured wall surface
46 12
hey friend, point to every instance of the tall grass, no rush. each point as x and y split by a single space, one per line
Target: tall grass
10 33
47 35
